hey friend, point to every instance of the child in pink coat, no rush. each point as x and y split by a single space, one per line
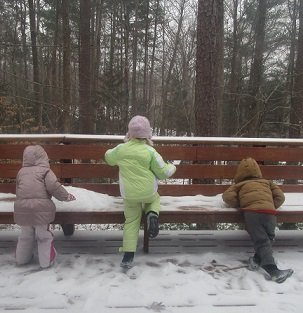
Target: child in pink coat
34 210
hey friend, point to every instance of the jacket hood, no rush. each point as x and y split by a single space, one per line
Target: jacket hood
248 168
35 155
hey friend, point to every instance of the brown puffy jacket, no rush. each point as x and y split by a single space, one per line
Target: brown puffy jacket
36 183
251 191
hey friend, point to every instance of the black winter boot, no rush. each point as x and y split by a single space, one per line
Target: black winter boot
127 260
279 276
152 224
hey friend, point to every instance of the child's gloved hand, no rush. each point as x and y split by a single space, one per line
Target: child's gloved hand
71 197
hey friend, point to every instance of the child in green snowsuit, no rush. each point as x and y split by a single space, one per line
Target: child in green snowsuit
140 167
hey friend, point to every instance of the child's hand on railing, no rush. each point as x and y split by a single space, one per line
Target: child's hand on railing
71 197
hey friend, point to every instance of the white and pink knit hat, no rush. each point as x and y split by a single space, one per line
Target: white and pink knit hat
139 127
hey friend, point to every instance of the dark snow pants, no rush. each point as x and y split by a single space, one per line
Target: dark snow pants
261 229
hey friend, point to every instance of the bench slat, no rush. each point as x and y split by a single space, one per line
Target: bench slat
58 151
178 216
169 152
184 171
271 154
175 190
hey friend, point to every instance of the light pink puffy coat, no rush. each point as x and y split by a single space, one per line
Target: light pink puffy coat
36 183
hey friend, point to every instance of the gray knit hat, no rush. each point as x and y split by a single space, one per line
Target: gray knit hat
139 127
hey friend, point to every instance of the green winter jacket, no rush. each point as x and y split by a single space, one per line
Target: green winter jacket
140 166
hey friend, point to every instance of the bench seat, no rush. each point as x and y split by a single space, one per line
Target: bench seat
190 209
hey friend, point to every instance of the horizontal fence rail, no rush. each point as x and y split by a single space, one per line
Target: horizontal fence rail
205 165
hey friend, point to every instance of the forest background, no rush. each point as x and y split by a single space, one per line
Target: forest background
193 67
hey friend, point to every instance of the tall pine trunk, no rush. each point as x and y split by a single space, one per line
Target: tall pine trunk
254 103
86 109
231 109
66 118
209 67
36 73
296 113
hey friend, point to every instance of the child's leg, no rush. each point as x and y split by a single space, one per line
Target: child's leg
25 245
133 215
46 250
153 204
152 210
270 227
255 227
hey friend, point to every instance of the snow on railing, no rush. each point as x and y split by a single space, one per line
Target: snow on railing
156 139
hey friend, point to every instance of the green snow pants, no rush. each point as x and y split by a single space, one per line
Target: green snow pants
133 214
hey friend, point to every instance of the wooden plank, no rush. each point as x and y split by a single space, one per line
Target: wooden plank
8 187
110 189
290 216
186 153
204 171
275 172
79 152
188 215
11 151
106 217
6 218
92 151
192 215
272 154
9 170
164 190
86 171
58 151
174 190
67 170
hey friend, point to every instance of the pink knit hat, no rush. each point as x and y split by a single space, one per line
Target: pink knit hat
139 127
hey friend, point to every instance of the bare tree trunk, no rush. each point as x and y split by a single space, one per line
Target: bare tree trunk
36 76
256 74
296 113
111 102
96 60
164 115
134 101
23 107
231 112
209 67
54 77
66 118
87 116
24 45
151 75
293 12
125 68
146 47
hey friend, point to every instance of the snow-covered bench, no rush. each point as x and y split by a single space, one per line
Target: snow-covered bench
205 168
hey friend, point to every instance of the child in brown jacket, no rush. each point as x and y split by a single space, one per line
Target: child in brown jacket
34 210
258 198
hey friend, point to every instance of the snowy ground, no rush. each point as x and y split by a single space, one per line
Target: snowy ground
184 272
